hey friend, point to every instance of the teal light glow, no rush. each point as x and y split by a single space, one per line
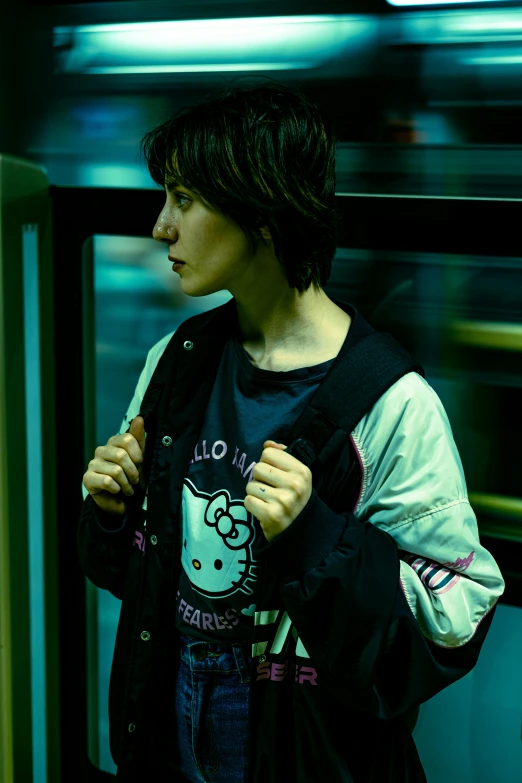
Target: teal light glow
513 59
491 25
437 2
35 518
249 44
485 25
195 68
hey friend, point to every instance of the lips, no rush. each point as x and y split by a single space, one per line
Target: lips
176 260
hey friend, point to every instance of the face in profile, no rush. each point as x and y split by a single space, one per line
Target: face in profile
216 253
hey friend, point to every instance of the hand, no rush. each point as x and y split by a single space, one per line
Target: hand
115 467
281 489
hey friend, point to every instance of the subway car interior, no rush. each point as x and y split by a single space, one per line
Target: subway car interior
426 102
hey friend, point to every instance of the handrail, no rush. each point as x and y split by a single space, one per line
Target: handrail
487 334
506 515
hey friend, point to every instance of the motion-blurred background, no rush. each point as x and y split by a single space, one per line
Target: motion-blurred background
426 101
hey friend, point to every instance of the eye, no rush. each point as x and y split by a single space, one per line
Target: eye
218 565
180 197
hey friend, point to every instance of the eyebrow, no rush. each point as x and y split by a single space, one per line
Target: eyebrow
172 184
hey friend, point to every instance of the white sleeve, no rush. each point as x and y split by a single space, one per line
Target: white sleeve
414 488
133 409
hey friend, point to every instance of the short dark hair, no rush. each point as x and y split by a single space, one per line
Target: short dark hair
263 156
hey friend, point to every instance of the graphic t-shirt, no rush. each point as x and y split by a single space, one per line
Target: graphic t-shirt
216 598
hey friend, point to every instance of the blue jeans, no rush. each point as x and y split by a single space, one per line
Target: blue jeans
212 690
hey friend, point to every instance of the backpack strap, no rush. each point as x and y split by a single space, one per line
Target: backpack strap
356 380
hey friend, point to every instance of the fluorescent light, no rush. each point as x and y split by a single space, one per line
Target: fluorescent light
257 43
197 68
438 2
484 25
514 59
491 22
196 25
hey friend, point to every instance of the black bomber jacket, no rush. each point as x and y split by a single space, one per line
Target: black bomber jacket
378 611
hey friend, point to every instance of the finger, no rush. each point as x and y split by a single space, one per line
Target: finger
273 456
114 471
124 450
121 457
102 482
137 429
265 473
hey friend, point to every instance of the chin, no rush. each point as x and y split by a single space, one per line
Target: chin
201 290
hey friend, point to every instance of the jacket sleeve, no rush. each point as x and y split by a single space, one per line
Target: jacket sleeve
105 540
391 603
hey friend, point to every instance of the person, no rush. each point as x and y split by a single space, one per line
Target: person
215 538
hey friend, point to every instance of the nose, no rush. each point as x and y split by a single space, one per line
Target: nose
164 230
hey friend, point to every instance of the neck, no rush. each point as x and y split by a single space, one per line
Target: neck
310 337
284 322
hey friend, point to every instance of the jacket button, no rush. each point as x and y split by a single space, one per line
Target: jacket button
200 654
132 727
188 345
153 540
145 635
167 440
262 658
